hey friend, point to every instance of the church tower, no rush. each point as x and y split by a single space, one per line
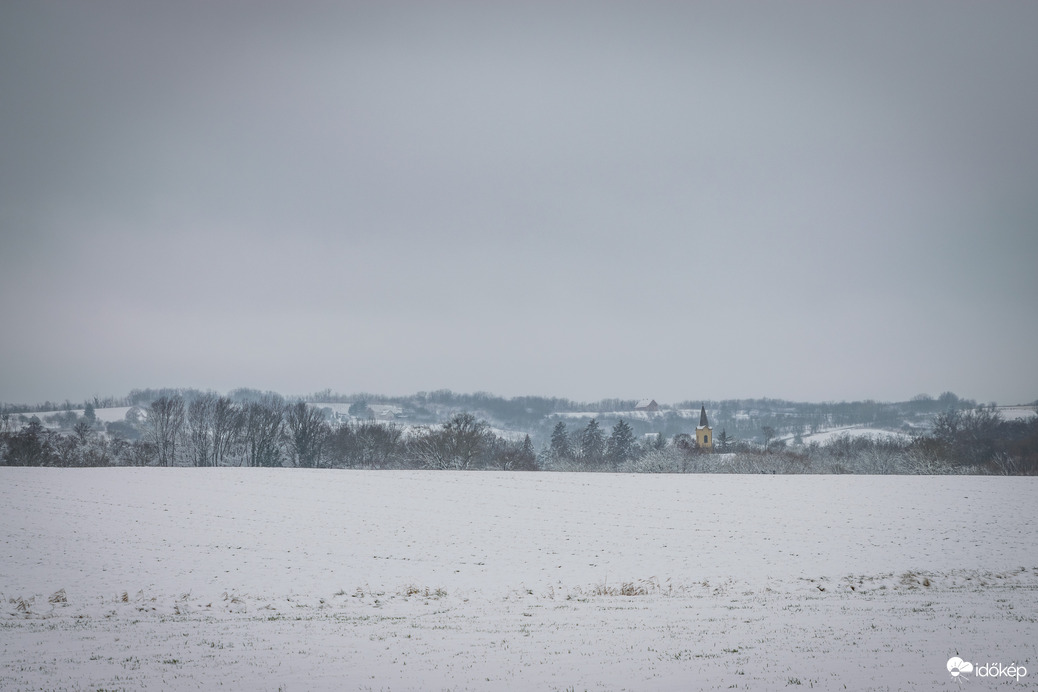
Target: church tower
704 435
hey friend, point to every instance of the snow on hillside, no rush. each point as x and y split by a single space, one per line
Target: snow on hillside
1017 412
628 415
273 579
104 415
827 436
339 409
109 415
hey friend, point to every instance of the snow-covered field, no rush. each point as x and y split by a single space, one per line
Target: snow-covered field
268 579
852 431
627 414
1016 412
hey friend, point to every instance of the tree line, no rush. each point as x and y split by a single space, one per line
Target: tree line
975 441
267 431
211 430
262 429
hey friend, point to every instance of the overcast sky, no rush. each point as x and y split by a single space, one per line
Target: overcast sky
812 201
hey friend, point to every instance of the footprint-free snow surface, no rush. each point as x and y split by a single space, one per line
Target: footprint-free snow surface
286 579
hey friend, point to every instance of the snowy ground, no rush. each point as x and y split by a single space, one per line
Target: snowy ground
852 431
628 415
302 580
1017 412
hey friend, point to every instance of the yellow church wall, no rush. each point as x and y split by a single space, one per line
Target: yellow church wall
704 438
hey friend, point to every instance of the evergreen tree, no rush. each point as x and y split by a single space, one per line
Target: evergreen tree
561 449
526 458
30 446
592 445
724 440
620 446
360 409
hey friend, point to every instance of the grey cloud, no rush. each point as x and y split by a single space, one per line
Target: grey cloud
584 200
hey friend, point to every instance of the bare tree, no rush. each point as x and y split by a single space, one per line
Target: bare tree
200 417
467 439
368 445
378 444
341 448
165 422
659 460
429 450
227 425
66 450
308 432
97 451
971 437
687 449
459 444
261 432
140 452
515 455
768 433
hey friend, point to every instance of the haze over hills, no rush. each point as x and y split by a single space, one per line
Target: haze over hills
741 419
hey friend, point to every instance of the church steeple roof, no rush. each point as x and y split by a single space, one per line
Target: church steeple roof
702 418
